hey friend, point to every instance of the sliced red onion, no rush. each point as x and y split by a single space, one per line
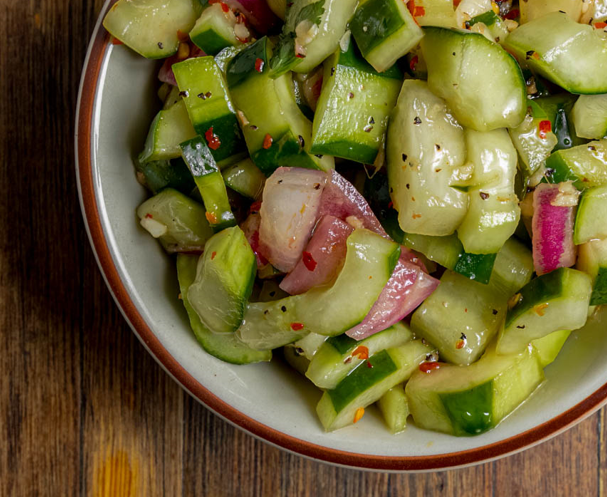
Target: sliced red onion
290 209
406 289
553 218
166 71
257 12
250 227
323 257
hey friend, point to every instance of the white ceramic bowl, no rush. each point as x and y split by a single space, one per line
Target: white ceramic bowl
116 104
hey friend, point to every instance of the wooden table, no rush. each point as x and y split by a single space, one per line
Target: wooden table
84 410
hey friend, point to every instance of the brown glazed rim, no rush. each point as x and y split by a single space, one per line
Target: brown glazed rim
90 79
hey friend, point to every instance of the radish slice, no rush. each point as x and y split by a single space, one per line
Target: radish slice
406 289
322 259
257 12
290 209
166 71
250 227
553 218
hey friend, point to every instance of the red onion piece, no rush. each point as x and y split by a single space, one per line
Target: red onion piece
257 12
250 227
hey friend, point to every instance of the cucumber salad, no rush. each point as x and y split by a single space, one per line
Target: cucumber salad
405 200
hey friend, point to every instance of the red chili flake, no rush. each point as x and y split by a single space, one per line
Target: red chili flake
360 412
460 344
390 205
309 261
211 218
428 367
224 7
600 25
212 139
545 128
414 62
361 352
255 206
300 56
369 365
297 326
149 216
259 63
456 3
419 12
513 14
213 255
116 41
267 141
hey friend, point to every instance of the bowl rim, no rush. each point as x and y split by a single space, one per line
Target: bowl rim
92 219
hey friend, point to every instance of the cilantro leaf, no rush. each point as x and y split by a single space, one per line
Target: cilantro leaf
311 12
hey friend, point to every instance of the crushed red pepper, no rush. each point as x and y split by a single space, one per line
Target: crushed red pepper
309 261
267 141
212 139
297 326
545 127
259 64
428 367
361 352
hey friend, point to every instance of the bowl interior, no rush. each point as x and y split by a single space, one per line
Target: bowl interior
271 394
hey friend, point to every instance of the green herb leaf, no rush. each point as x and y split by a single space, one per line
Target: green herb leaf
311 12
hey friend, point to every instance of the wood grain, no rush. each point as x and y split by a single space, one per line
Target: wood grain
84 410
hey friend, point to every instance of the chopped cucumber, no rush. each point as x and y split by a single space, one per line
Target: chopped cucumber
590 116
345 404
494 23
370 260
245 178
425 147
394 408
298 362
209 107
493 214
224 281
226 347
309 345
581 68
276 132
434 13
591 215
385 31
339 355
552 302
548 347
158 175
460 63
210 182
559 110
592 259
470 400
477 267
460 318
534 9
168 129
353 108
214 30
585 165
150 27
513 268
177 221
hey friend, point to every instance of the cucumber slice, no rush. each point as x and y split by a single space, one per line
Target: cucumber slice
394 407
214 30
581 68
493 214
177 221
245 178
172 97
425 148
150 27
226 347
477 267
384 31
534 9
460 318
349 122
224 281
552 302
309 345
591 214
494 23
513 268
168 129
276 132
592 259
559 110
341 354
298 362
470 400
590 116
370 260
158 175
345 404
210 182
434 12
585 165
209 107
549 346
477 63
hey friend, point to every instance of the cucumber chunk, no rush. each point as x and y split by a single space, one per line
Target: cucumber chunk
434 13
210 182
177 221
591 215
548 347
158 175
214 30
276 132
534 9
424 150
585 165
298 362
394 408
552 302
580 69
493 214
470 400
224 281
590 116
460 63
300 353
494 24
460 318
339 355
209 107
477 267
513 268
226 347
345 404
168 129
559 110
592 259
349 122
150 26
385 31
370 260
245 178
